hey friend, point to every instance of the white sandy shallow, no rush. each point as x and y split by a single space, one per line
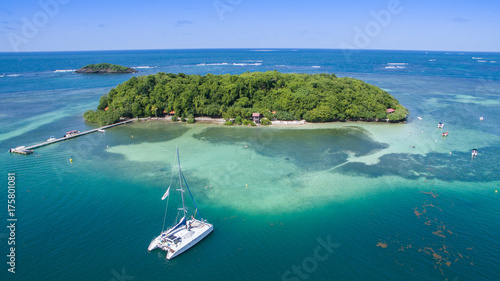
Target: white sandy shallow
236 176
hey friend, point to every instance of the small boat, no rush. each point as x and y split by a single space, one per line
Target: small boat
440 125
71 133
481 118
101 131
474 152
52 138
419 118
445 134
184 233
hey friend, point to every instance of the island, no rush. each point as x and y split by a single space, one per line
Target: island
236 98
105 68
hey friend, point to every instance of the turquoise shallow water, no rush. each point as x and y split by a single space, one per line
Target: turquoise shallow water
277 195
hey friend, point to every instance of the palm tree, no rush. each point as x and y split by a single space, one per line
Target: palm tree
155 108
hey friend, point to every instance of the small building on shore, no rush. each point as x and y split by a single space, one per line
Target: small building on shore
390 110
256 117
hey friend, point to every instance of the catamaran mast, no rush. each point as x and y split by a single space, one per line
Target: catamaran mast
180 180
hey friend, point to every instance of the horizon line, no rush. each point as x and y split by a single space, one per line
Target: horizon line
249 48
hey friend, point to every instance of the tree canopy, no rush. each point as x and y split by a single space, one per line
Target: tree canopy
313 97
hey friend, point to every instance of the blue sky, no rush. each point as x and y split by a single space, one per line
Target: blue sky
69 25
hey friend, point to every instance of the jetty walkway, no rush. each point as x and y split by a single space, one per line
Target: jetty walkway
29 149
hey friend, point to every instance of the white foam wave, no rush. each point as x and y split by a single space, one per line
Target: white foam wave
64 70
316 66
482 61
493 61
210 64
477 58
146 66
243 64
12 75
397 63
263 50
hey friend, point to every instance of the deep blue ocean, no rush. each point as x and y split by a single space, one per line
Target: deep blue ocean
337 201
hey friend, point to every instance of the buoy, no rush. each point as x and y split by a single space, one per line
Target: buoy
132 136
246 185
70 160
496 191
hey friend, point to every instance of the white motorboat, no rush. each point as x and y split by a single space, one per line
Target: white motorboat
185 233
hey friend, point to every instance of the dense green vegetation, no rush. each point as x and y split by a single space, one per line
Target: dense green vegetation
105 68
265 121
315 98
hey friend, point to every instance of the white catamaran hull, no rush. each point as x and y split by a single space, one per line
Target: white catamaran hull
188 237
196 237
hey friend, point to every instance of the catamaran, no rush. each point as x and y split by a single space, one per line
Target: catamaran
186 232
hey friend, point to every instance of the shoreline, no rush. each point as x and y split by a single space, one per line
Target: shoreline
221 121
275 123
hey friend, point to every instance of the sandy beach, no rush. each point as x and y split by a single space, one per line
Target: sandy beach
206 119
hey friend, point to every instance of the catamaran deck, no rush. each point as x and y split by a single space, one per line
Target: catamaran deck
180 239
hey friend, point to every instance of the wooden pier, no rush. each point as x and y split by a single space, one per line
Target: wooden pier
29 149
